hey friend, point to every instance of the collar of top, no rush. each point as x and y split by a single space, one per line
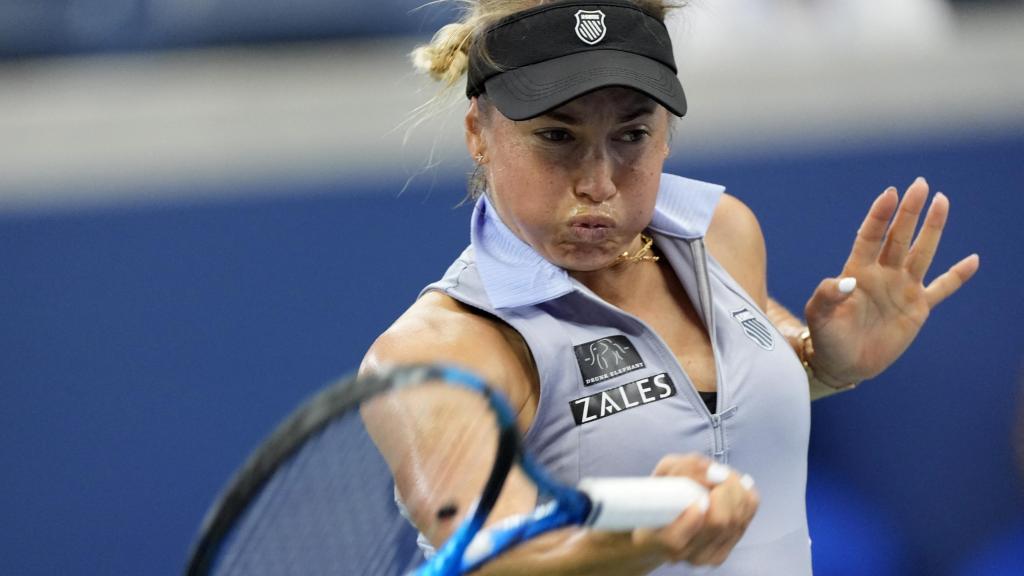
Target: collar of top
514 275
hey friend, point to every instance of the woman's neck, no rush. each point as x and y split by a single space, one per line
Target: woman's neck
628 279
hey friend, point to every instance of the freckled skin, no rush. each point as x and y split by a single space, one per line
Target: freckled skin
545 172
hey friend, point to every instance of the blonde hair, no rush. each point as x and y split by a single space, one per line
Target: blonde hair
446 57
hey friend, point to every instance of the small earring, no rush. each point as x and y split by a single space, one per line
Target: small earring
479 158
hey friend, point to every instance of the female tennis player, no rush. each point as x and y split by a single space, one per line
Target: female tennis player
624 312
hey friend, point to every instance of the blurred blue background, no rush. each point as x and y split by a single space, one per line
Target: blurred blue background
194 240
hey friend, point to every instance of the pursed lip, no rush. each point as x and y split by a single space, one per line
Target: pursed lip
591 228
592 221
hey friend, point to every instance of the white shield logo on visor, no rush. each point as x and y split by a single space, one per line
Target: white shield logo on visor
590 26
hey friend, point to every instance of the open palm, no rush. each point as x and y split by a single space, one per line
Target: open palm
857 335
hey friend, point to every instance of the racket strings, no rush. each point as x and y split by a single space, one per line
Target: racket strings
328 510
329 504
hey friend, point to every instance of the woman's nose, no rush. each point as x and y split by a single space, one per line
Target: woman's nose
594 178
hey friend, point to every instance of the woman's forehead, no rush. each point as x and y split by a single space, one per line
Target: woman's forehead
616 100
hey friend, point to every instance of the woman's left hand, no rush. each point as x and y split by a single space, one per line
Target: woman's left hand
858 334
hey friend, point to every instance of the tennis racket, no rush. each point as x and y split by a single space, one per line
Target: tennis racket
317 497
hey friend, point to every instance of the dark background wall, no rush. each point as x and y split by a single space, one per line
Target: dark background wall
144 351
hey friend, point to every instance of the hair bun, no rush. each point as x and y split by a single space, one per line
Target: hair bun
446 57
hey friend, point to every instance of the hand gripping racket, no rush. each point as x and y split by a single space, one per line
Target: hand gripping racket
317 497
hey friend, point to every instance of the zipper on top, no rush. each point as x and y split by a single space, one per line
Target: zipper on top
706 309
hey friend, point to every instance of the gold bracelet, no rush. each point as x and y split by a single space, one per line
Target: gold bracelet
804 353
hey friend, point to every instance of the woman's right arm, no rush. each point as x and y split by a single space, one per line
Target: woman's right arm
429 449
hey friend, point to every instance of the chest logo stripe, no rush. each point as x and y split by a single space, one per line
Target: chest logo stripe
755 328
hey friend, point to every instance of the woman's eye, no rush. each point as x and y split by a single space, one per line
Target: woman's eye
555 135
635 135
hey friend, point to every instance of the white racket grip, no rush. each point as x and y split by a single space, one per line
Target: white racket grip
639 502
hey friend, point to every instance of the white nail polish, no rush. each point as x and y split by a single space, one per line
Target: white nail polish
718 473
747 481
846 285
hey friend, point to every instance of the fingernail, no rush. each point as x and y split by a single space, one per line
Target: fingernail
919 179
747 481
718 473
846 285
703 503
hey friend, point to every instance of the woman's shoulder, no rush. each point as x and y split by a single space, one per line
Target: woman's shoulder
438 328
435 328
735 239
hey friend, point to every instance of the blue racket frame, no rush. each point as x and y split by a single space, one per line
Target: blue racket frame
567 506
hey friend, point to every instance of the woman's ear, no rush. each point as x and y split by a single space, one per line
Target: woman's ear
475 143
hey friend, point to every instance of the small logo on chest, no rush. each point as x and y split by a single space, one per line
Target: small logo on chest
606 358
622 398
755 328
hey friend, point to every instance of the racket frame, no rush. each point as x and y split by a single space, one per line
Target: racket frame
567 506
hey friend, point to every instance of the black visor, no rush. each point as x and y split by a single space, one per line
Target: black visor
542 58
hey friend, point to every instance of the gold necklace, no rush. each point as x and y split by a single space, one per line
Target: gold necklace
644 254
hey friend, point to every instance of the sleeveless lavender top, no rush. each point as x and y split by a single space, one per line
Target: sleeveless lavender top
613 398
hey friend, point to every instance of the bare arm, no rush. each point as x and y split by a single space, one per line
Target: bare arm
440 449
416 438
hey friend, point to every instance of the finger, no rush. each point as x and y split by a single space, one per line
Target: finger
745 512
697 468
831 292
673 539
725 511
691 465
927 242
901 231
732 507
717 473
872 230
721 554
695 547
694 550
715 553
947 284
707 547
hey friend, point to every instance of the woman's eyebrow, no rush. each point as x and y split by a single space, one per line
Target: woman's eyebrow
566 118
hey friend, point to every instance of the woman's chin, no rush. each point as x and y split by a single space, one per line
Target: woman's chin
590 262
584 256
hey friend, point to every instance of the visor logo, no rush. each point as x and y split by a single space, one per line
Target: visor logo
590 26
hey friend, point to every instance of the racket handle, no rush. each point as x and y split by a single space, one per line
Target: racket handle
641 502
